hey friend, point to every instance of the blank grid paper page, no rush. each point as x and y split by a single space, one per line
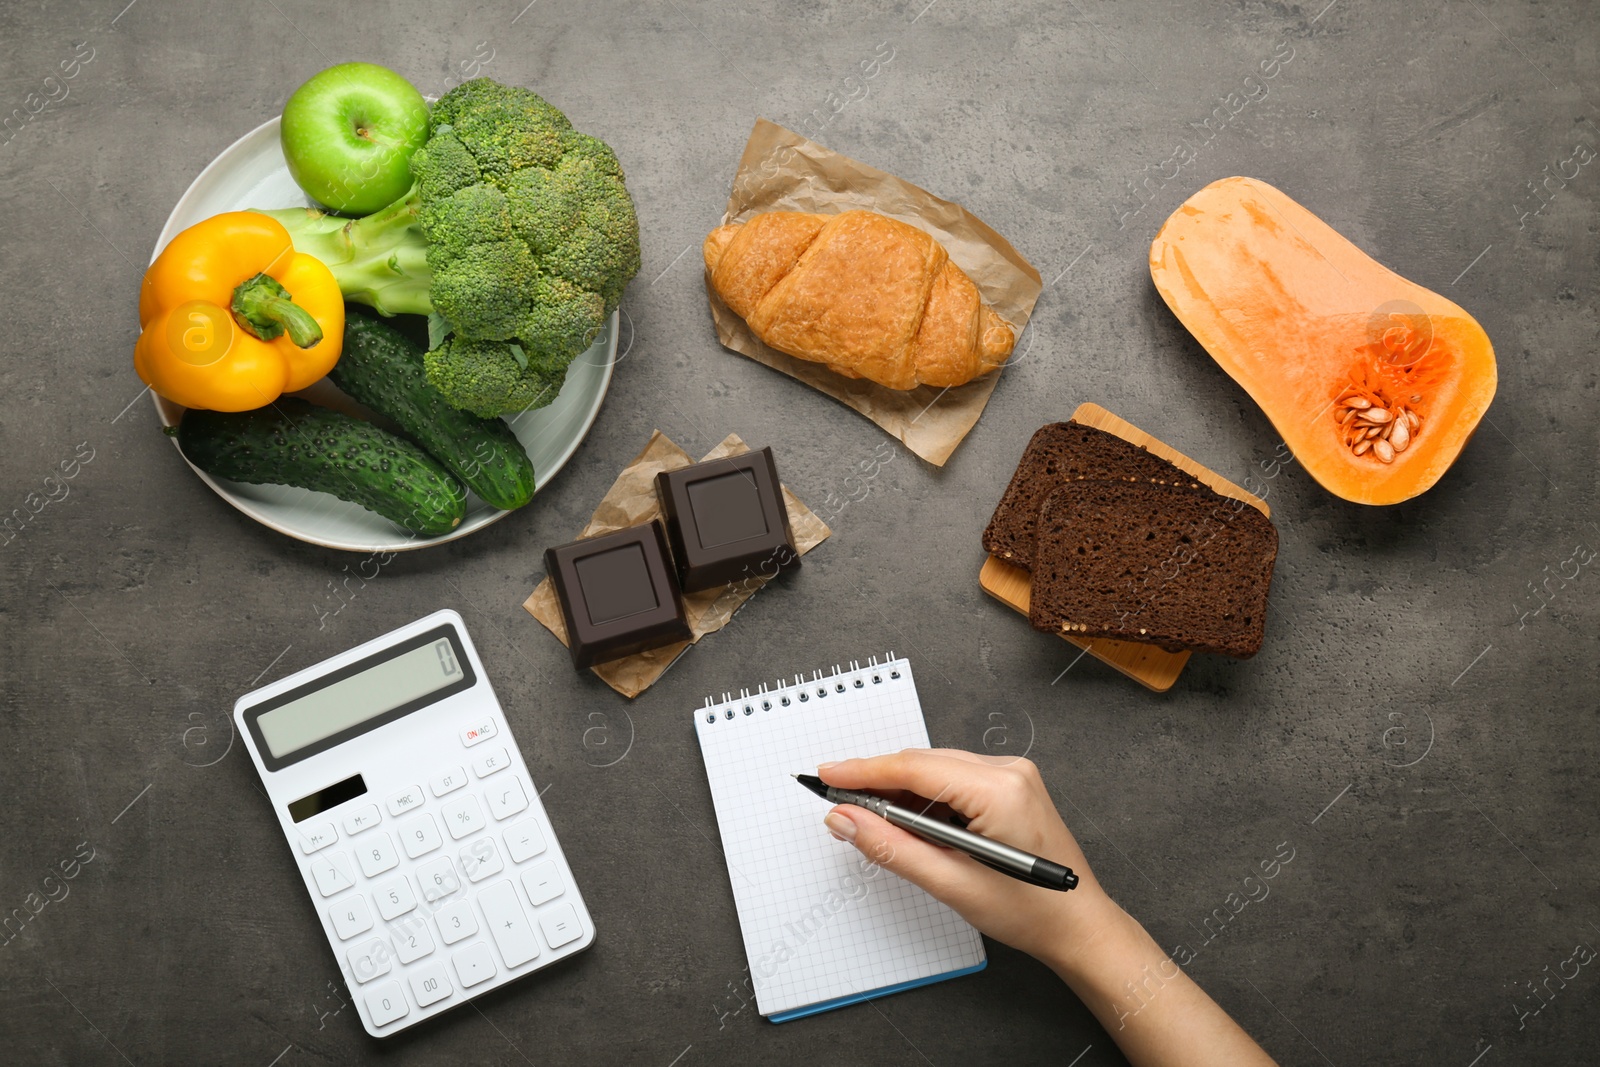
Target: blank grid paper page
820 920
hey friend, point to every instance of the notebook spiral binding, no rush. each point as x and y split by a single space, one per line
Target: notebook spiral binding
802 689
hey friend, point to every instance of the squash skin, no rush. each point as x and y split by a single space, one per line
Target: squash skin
1293 312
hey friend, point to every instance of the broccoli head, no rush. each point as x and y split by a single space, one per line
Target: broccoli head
518 236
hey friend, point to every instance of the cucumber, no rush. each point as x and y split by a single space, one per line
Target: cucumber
293 442
381 368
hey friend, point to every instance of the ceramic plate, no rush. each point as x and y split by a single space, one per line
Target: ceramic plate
252 172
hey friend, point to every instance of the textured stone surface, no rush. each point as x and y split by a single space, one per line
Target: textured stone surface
1425 748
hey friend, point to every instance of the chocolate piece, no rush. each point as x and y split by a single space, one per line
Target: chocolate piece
727 520
618 594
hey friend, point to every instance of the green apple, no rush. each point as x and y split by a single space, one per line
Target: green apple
349 133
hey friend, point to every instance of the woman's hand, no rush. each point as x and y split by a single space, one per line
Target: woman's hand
1001 798
1151 1009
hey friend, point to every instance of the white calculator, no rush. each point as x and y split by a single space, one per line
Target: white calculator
419 833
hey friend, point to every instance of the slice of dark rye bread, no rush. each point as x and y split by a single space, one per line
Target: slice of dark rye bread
1058 453
1169 565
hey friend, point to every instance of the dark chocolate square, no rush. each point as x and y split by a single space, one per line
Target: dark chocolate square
726 520
618 594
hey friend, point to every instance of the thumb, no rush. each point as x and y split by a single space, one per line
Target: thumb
947 875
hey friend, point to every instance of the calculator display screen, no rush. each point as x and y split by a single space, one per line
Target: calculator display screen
360 696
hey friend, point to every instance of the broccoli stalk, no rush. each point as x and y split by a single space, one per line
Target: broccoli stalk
518 239
380 260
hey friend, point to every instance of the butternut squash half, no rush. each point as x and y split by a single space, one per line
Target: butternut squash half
1374 382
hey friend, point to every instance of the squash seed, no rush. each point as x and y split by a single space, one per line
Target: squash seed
1401 436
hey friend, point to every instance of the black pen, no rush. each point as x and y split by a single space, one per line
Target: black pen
1024 866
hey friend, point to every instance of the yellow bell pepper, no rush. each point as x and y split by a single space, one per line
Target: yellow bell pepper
232 316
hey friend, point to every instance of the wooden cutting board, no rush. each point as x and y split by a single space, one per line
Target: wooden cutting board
1150 666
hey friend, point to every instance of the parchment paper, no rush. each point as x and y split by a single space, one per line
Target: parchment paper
783 171
631 501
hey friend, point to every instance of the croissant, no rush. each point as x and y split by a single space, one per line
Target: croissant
866 295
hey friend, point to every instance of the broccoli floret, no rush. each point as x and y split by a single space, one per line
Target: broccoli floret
565 317
487 379
485 290
518 235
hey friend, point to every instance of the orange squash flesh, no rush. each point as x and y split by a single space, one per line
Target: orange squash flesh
1305 321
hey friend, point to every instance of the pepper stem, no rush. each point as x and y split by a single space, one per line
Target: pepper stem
265 309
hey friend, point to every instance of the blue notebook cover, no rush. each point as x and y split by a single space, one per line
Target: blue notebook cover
857 998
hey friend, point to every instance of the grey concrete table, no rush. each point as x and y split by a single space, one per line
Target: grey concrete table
1415 734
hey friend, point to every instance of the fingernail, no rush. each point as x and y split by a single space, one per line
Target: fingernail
825 766
839 826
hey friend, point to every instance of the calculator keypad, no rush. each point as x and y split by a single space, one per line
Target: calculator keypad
394 897
420 835
413 943
408 799
351 917
422 930
430 984
524 840
506 798
332 873
497 759
561 925
448 782
508 924
387 1003
456 921
437 879
370 959
362 819
481 859
318 835
463 816
474 964
376 854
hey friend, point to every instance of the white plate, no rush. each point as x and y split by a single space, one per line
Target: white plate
252 172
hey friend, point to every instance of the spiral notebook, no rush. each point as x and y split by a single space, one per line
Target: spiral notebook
823 926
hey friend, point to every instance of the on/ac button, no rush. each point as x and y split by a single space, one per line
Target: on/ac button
481 732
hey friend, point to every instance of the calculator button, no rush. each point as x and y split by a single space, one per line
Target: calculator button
456 921
317 835
560 925
448 782
413 941
489 762
524 840
543 882
506 798
350 917
481 859
463 817
332 873
394 897
420 835
437 879
408 799
364 818
508 923
387 1003
481 732
376 854
371 959
474 964
430 984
